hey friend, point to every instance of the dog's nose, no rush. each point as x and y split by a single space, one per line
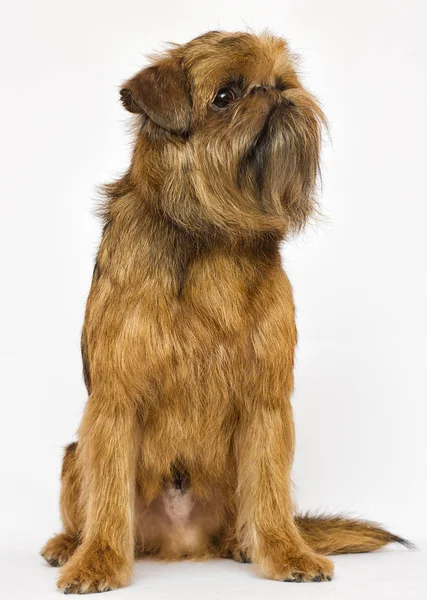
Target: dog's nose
261 88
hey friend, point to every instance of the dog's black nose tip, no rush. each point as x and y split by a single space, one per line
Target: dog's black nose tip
261 88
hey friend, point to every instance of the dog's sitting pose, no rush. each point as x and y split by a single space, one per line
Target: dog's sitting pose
186 443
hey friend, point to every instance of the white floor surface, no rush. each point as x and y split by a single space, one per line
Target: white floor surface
393 574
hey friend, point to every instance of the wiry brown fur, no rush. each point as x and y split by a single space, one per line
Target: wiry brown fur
187 440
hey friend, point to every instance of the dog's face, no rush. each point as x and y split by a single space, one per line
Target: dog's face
229 135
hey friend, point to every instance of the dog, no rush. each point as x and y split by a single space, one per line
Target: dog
186 443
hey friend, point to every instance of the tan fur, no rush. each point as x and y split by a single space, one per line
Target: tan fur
186 444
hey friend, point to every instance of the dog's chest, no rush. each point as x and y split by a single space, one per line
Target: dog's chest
202 329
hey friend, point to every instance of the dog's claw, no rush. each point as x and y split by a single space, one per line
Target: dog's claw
296 578
73 589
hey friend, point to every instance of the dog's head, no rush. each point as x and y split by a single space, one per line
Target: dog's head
228 135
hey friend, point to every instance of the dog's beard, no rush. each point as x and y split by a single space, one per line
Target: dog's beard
252 175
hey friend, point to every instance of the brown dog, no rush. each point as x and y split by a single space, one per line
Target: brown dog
186 444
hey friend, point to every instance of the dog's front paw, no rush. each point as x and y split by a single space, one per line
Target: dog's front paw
94 570
298 567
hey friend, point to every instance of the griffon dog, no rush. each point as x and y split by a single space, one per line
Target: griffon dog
186 443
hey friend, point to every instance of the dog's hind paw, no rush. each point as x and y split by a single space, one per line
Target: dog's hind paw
59 549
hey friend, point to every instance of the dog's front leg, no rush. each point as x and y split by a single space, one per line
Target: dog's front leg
106 445
265 522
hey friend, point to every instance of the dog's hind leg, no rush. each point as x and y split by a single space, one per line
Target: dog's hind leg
60 547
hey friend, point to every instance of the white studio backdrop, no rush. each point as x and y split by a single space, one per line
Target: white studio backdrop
359 275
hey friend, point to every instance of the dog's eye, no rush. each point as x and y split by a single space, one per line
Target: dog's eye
224 97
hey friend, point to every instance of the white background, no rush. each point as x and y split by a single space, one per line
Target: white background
359 276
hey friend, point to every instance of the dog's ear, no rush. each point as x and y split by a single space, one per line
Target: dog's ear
162 93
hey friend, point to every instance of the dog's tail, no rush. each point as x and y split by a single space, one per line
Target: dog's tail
339 535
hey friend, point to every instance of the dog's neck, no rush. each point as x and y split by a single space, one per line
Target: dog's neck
157 248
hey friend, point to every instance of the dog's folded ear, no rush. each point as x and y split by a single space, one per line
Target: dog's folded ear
162 93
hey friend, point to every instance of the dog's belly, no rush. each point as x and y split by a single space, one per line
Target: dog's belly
176 525
189 424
